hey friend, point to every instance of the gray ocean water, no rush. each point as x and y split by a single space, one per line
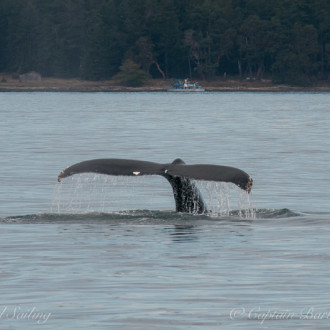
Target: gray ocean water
98 252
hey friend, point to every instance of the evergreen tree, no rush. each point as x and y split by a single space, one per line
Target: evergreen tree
288 40
130 74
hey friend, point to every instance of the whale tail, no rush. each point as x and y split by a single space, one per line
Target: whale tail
186 195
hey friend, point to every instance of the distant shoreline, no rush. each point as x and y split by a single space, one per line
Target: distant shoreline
152 85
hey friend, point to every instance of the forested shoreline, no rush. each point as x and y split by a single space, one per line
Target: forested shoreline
287 41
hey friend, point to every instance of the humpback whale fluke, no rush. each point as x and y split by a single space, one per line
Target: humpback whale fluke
186 195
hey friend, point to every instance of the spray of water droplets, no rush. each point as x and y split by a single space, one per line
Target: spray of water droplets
90 193
101 193
226 199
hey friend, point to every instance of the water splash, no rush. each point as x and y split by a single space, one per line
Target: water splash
86 193
225 199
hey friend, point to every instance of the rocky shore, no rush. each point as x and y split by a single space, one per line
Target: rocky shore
153 85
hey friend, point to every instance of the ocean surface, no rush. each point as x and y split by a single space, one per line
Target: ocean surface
102 252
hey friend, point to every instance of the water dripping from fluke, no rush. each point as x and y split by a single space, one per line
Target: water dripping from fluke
88 193
226 199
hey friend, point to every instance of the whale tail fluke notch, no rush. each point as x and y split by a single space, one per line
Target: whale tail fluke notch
186 194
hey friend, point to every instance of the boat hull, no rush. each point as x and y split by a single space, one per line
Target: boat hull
187 90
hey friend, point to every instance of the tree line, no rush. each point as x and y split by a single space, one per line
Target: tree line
285 40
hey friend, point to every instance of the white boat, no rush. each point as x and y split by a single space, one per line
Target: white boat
184 85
